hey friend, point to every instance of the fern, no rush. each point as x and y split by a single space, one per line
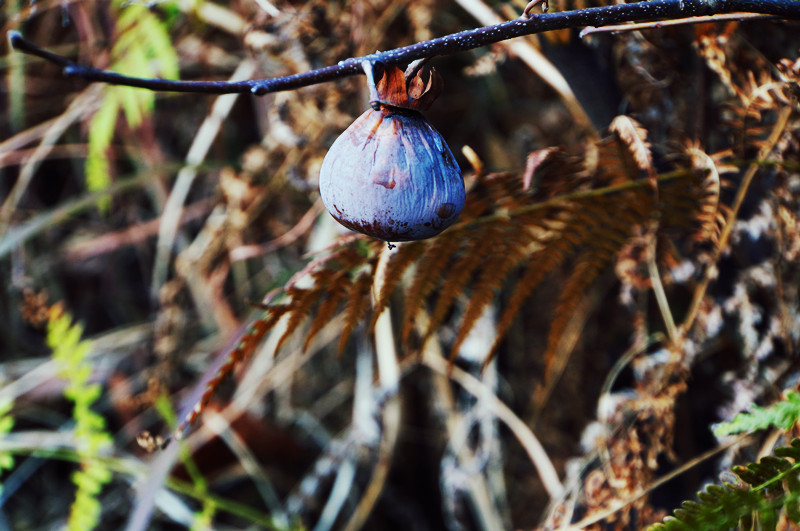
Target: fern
774 486
355 308
70 353
507 231
783 414
143 43
298 303
426 274
6 424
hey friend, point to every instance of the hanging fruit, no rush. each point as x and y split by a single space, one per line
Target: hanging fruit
390 175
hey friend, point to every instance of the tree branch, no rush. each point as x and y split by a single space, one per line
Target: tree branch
466 40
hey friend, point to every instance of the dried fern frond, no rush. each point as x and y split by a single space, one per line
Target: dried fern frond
342 278
429 269
601 237
505 247
634 136
355 308
579 210
710 215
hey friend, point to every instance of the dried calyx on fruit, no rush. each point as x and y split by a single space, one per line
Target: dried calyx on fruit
390 175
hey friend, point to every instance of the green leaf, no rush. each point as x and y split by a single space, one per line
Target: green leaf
783 414
6 424
71 354
774 487
101 131
143 48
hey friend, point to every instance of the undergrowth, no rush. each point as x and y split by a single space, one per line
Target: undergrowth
92 439
615 293
6 424
769 496
142 47
783 414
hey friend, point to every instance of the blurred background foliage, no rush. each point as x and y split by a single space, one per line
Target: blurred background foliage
159 220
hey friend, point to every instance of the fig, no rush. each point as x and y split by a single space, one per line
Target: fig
391 175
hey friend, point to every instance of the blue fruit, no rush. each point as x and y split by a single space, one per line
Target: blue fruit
391 176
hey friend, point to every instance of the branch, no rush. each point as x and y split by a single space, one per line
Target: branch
457 42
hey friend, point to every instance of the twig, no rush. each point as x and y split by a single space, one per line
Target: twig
432 358
450 44
617 505
132 235
221 426
533 3
658 290
363 431
534 449
619 28
243 252
19 234
469 464
60 151
23 138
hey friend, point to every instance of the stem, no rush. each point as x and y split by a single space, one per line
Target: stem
619 28
450 44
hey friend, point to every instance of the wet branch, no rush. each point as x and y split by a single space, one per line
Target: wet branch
646 11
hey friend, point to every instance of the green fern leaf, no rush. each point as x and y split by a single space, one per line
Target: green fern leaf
783 414
101 131
6 424
91 438
142 49
774 487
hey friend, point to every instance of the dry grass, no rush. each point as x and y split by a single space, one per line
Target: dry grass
615 358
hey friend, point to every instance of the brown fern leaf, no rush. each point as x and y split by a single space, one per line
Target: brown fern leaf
685 207
487 242
335 292
752 129
455 282
540 264
506 245
332 280
331 283
535 161
562 174
634 137
405 256
762 91
300 302
599 236
428 273
588 268
356 307
522 234
492 193
244 347
709 214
